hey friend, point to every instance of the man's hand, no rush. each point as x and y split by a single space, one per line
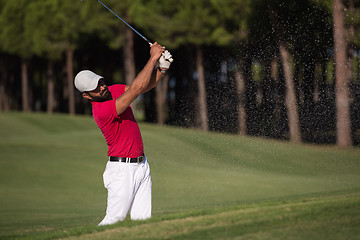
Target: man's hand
165 60
155 51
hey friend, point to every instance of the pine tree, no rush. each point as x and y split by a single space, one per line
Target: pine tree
13 40
343 119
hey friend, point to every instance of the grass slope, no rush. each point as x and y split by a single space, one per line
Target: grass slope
51 182
311 218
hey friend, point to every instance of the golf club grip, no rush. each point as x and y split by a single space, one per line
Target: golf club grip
170 59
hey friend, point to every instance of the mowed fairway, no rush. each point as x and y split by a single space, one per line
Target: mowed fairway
205 185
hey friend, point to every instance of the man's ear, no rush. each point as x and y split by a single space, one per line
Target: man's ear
86 95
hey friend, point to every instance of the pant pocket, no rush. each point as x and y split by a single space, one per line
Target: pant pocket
111 170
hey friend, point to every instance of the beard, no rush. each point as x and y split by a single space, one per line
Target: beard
104 95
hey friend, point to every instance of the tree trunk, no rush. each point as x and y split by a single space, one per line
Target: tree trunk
323 84
129 58
343 122
161 91
202 99
25 87
50 88
4 96
290 94
250 92
279 99
191 102
290 98
70 79
240 87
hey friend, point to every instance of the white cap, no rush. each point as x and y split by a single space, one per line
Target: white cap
86 81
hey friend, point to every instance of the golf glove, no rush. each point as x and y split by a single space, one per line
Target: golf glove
165 60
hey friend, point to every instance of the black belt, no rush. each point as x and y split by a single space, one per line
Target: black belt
127 160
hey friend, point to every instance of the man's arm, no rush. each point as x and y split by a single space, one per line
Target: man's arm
155 78
141 82
164 64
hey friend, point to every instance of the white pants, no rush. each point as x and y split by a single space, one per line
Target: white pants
129 190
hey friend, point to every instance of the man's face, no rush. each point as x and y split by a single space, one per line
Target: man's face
100 94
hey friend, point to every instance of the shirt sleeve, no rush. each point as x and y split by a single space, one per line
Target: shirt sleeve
117 90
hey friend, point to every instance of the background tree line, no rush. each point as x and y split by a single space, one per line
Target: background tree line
280 69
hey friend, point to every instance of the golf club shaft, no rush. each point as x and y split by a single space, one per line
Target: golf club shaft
126 23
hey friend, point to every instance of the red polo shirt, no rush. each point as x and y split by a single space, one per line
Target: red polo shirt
122 133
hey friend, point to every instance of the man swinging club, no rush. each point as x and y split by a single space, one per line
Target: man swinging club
127 173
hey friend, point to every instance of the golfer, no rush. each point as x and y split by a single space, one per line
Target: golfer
127 173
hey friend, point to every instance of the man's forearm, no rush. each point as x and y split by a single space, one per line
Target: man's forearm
139 84
155 78
144 78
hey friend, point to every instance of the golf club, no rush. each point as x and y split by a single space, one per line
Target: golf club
147 40
125 23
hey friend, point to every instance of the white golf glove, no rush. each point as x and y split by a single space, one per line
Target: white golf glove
165 60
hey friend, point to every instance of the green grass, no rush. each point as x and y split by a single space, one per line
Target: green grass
311 218
205 185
